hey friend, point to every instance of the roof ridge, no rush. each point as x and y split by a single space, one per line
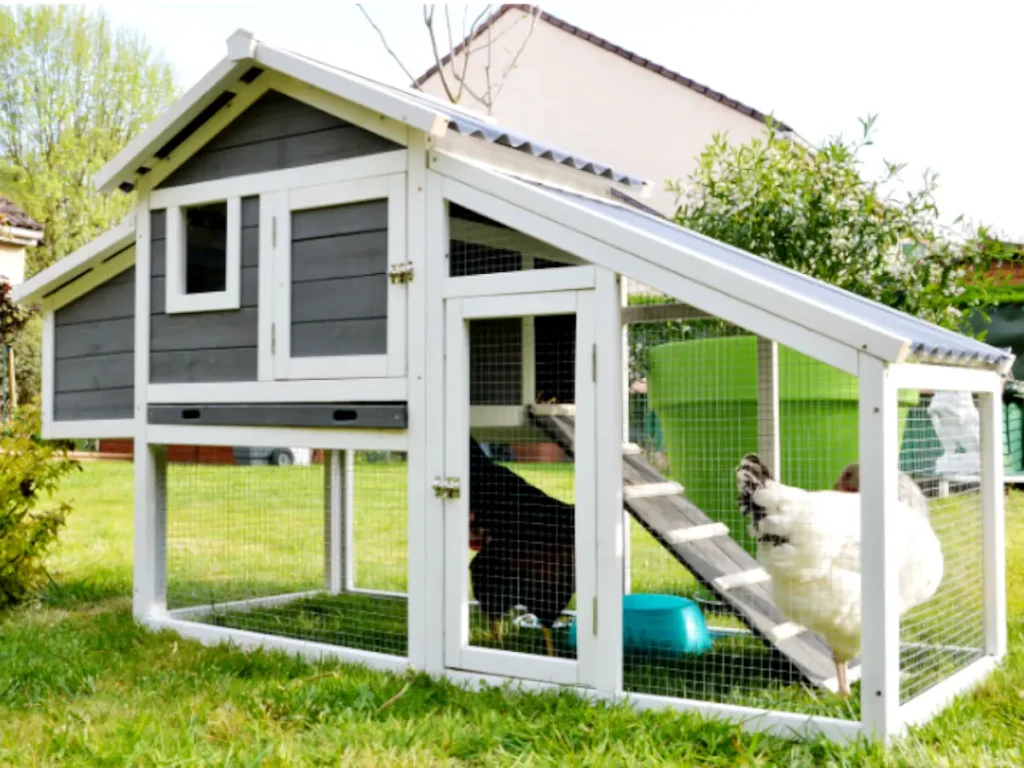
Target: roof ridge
607 45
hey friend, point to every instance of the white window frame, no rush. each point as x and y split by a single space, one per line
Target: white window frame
176 299
391 363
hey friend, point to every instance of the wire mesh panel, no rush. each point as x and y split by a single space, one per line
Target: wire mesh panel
481 246
522 486
942 628
743 555
311 546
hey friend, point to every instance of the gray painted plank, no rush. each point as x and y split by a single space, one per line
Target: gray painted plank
340 143
250 293
363 253
349 415
340 220
114 299
272 116
204 365
171 333
101 404
157 225
84 374
344 299
340 337
250 252
102 337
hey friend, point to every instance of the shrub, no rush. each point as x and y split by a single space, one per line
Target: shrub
30 471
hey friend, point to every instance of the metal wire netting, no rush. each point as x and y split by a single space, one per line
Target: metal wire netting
252 546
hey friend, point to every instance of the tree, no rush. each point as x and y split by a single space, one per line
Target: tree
812 210
452 56
73 91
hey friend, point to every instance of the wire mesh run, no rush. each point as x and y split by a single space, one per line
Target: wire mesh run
481 246
943 631
724 426
311 546
521 497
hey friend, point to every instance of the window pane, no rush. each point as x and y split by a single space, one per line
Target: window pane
206 248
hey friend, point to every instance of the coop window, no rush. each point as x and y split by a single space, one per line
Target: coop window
204 256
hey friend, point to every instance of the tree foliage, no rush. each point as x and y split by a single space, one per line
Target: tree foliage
73 91
813 211
30 470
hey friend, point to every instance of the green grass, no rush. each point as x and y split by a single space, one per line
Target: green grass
80 683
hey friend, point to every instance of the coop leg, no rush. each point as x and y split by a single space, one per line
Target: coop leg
335 551
548 641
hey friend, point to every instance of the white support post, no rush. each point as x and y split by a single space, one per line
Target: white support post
529 361
348 517
150 578
336 552
418 349
612 532
627 565
768 405
994 524
880 642
430 535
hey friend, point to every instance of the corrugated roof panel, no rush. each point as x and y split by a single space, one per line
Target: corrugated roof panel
925 339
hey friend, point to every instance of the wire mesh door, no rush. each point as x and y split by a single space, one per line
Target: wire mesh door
520 538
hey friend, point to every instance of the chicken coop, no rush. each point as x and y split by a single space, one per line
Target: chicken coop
802 532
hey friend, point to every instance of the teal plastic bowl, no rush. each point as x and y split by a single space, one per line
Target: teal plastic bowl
660 624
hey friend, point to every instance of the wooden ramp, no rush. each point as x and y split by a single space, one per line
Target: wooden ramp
706 550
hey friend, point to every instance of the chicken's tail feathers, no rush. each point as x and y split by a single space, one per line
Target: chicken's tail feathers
751 476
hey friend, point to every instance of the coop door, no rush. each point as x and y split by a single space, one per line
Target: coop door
340 279
520 536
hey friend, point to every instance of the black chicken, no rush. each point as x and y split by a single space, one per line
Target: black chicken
526 546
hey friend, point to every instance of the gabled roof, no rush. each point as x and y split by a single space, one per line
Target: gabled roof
77 265
612 48
12 216
246 54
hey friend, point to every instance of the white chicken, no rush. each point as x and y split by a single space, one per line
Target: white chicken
809 543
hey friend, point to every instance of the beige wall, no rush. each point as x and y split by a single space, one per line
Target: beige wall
571 93
12 263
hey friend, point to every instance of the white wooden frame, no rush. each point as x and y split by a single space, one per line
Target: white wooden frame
177 298
458 653
310 391
101 273
299 437
389 187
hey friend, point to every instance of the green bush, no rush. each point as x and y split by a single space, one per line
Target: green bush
30 471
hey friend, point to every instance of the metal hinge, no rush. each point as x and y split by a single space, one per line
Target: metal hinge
273 338
273 231
401 273
447 488
595 617
593 362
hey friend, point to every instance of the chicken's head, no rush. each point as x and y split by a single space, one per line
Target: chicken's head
849 479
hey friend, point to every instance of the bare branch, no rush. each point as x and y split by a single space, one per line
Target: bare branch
387 47
428 21
534 13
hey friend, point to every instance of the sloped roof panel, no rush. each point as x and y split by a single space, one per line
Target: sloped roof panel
927 341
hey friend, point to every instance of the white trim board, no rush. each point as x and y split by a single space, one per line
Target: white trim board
308 391
113 240
281 437
96 428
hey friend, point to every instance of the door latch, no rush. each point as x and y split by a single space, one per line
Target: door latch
400 273
447 488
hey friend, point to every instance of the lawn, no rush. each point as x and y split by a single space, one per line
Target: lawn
80 683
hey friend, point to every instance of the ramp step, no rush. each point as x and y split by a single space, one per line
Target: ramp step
785 631
696 533
631 449
650 490
742 579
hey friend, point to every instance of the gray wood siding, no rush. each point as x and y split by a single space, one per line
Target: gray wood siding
205 346
275 133
94 353
339 291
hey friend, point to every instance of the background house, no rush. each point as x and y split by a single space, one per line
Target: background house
18 231
574 89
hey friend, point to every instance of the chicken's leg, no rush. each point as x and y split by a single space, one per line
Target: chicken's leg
842 680
548 641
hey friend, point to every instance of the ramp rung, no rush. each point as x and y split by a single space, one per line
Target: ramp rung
631 449
651 490
742 579
785 631
696 533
